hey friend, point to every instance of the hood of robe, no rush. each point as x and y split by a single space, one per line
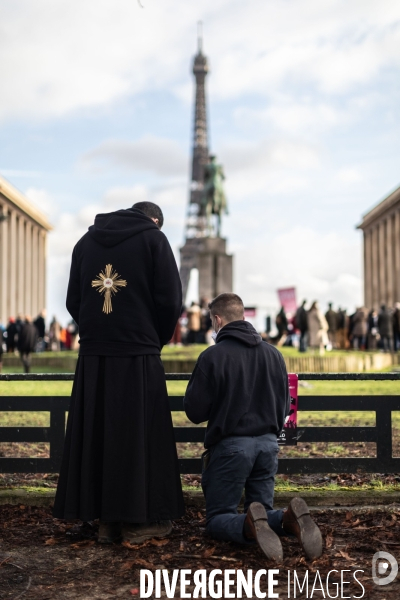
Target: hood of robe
113 228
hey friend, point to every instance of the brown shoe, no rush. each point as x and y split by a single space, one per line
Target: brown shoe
109 533
256 528
297 520
136 533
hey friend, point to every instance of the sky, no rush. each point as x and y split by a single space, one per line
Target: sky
96 110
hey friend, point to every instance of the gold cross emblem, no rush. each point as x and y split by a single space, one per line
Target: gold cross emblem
108 284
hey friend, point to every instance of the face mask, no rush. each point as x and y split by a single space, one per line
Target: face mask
214 335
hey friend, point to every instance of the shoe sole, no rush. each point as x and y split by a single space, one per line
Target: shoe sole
310 535
143 538
267 539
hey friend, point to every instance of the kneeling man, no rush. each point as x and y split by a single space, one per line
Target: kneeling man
240 386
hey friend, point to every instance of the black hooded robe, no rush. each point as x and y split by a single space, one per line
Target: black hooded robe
120 461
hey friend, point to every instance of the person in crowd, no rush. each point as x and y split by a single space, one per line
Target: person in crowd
342 330
176 339
331 317
281 323
1 348
65 339
240 386
194 323
373 332
302 325
19 321
396 327
54 335
120 463
317 328
40 325
27 340
350 328
385 327
359 328
11 335
206 327
73 331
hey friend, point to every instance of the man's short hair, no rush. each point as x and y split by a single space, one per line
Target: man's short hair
228 306
151 210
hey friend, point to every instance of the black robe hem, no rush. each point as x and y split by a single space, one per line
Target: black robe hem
120 461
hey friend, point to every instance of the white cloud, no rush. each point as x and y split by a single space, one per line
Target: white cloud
292 115
89 54
349 175
160 156
269 154
43 200
324 267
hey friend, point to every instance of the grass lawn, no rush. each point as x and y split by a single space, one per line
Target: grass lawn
192 351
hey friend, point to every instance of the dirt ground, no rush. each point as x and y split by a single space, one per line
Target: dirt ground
195 450
42 558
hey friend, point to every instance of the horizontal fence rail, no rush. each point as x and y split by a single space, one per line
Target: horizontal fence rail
186 376
380 434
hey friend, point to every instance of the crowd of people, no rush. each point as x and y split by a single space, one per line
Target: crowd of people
365 329
309 328
23 335
194 325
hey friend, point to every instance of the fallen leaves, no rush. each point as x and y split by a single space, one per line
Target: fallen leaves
66 560
127 566
50 542
328 540
143 563
83 544
155 542
346 556
127 544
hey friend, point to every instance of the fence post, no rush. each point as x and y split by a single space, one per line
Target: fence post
384 446
57 434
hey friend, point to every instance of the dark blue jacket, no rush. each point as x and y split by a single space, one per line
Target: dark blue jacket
240 386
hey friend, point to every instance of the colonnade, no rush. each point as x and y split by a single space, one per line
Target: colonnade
382 260
22 264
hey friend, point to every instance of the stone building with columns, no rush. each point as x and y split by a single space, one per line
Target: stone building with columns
23 233
381 229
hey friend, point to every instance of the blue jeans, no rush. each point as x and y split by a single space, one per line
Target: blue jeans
239 463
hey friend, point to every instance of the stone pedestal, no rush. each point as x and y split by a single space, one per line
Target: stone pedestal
215 266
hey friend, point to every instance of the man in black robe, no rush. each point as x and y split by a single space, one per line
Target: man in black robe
120 463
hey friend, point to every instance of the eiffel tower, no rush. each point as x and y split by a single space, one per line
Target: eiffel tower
204 250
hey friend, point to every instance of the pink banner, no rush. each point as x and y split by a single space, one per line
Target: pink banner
287 299
250 311
288 436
